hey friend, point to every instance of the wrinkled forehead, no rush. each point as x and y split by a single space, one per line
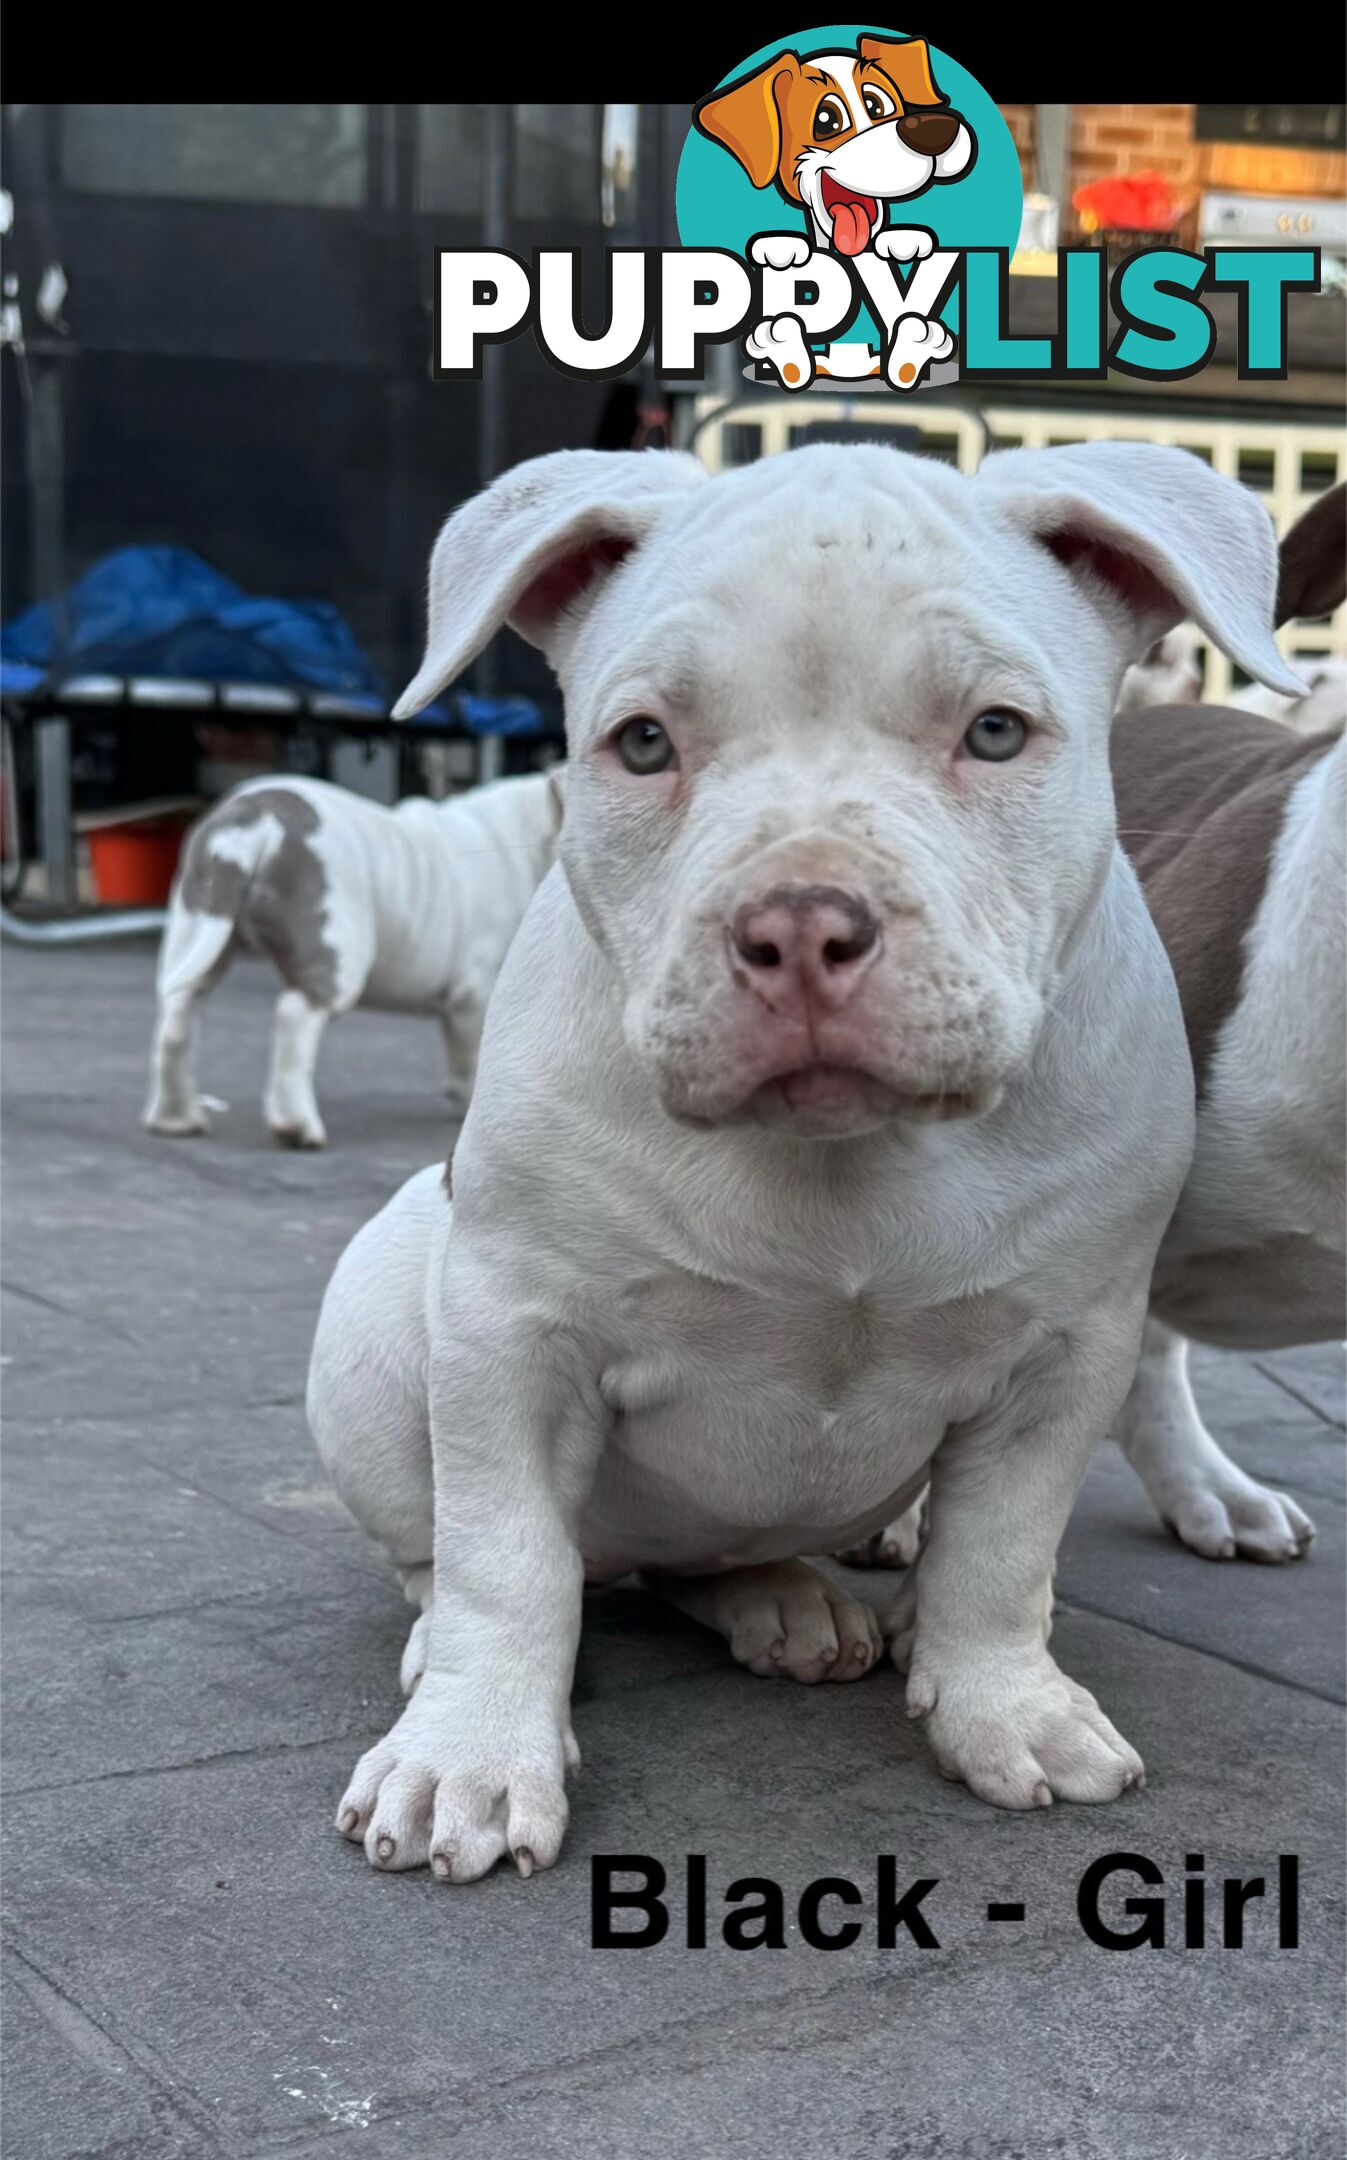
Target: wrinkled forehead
823 565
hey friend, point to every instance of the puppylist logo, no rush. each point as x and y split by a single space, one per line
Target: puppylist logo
848 202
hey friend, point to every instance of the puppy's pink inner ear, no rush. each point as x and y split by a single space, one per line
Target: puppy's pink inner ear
1147 597
563 581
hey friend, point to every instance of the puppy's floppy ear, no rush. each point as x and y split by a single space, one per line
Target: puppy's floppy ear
1155 535
1313 578
907 63
533 546
746 118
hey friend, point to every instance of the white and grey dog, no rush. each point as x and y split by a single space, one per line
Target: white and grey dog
410 909
834 1098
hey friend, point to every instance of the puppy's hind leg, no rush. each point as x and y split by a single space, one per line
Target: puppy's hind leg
194 955
418 1587
896 1545
174 1107
785 1620
291 1105
1204 1498
366 1398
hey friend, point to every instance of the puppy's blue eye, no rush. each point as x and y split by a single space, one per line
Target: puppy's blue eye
644 747
996 736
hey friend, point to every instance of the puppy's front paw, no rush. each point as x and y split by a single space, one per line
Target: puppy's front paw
915 344
1017 1731
462 1778
780 251
781 344
904 243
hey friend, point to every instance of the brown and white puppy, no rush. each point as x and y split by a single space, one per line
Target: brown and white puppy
1235 826
839 134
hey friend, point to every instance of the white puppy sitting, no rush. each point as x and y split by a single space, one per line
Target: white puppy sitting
833 1099
410 910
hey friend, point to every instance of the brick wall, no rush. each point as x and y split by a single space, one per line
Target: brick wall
1108 139
1252 169
1020 120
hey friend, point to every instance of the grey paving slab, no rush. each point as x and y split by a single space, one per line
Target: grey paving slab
198 1643
69 2088
289 1988
1260 1412
1314 1375
1117 1558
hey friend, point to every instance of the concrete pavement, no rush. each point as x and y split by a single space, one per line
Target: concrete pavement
198 1643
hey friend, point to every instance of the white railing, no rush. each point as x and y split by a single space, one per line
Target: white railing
1286 463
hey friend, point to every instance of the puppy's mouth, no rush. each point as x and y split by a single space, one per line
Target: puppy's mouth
853 217
819 1100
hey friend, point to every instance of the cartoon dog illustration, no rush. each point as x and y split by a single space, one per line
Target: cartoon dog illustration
840 134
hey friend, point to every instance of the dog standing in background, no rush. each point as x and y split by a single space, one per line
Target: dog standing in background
409 910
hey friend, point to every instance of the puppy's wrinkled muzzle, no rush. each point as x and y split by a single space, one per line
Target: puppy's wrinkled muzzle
803 950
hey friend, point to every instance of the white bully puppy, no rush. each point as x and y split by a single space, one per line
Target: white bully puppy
832 1103
410 910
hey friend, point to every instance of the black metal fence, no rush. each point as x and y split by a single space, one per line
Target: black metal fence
240 360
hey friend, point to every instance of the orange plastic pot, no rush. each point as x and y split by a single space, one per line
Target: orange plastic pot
133 865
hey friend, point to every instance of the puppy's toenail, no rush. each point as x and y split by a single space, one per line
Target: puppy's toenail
386 1846
523 1860
347 1820
1043 1795
442 1864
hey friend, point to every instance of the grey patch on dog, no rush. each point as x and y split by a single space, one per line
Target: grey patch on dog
278 908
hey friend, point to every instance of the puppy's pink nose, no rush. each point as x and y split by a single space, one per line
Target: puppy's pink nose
804 945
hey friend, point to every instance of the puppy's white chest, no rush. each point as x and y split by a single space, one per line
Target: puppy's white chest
755 1426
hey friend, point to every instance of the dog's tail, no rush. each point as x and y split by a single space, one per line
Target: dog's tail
219 861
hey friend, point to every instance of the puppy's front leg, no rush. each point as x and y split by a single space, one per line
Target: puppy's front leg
999 1712
476 1764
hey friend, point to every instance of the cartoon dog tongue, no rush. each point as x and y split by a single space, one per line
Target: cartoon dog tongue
853 216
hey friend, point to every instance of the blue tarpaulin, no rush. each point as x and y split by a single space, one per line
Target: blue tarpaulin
162 611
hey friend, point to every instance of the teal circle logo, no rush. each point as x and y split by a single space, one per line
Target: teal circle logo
841 134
